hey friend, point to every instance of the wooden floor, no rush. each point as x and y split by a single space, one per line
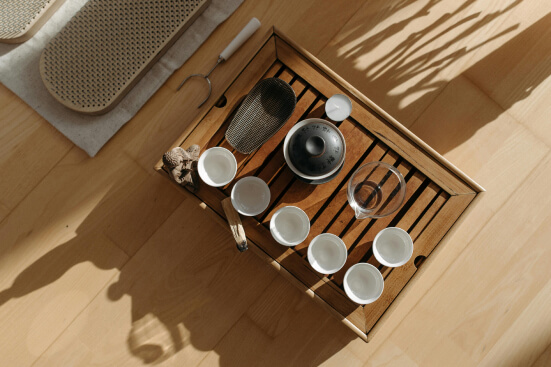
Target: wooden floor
104 262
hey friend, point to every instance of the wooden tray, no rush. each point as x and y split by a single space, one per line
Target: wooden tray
437 193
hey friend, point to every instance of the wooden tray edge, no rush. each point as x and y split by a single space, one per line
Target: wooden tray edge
406 291
280 269
433 153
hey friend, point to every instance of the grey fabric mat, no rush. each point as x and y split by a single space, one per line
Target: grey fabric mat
19 72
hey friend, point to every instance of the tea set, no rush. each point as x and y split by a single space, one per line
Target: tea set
314 150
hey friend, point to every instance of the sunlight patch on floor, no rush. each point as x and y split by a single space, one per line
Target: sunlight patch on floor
442 39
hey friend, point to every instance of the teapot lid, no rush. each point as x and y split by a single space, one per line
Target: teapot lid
316 147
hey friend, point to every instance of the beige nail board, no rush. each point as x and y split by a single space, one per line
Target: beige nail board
108 46
20 20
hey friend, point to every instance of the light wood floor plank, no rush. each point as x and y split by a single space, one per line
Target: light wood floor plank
518 75
403 53
4 211
171 303
290 333
50 292
470 78
489 300
527 339
141 208
478 136
390 355
544 359
53 250
29 148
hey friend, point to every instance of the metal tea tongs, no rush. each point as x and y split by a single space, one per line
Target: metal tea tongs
243 36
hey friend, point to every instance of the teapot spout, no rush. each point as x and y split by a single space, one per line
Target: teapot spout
359 214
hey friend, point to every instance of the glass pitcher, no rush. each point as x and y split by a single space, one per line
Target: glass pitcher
376 190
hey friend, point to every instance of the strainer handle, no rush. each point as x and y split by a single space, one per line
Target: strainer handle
240 39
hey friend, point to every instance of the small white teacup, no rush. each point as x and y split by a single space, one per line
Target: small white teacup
217 166
250 196
393 247
363 283
290 226
327 253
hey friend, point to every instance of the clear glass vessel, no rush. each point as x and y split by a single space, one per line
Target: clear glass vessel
376 190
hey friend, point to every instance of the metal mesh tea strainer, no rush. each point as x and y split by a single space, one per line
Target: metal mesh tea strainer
264 111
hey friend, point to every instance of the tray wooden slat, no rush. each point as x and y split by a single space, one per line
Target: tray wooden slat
435 195
338 201
311 198
201 130
373 227
372 121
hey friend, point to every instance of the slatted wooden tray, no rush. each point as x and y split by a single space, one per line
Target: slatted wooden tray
437 193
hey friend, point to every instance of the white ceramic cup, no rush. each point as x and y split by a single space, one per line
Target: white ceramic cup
250 196
393 247
327 253
290 226
363 283
217 166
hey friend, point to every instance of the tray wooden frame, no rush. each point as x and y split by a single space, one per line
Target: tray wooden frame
438 192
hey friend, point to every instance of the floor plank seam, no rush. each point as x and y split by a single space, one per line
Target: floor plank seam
504 110
441 275
122 249
37 184
536 360
410 127
148 238
54 341
344 24
244 314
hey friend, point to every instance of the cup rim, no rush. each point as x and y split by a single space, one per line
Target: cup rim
301 213
202 171
336 240
349 292
378 255
235 203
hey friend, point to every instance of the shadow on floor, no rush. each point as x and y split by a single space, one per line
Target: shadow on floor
407 79
496 71
186 290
